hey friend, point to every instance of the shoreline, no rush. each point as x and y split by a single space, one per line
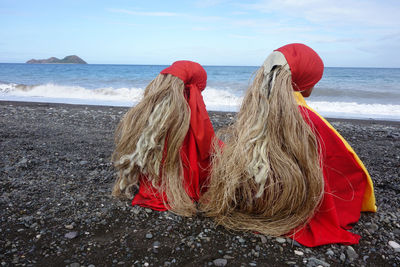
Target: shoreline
56 207
330 119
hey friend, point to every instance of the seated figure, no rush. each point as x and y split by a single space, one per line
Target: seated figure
284 170
163 143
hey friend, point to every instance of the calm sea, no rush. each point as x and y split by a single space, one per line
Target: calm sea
342 92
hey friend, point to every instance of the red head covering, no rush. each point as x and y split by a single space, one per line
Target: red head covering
305 65
194 77
191 73
196 147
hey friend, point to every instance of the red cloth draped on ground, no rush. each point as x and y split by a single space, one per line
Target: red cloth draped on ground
345 183
196 147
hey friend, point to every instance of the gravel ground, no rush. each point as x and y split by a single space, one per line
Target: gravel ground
56 208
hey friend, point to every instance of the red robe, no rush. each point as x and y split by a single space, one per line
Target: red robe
348 188
195 176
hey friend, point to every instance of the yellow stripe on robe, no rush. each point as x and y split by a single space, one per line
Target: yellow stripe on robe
368 203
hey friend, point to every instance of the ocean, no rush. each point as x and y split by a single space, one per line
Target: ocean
356 93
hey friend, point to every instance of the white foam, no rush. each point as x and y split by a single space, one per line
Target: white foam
214 98
356 110
221 100
6 88
71 94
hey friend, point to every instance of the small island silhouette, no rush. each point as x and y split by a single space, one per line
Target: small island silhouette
53 60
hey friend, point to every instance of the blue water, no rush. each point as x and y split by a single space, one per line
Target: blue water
342 92
362 85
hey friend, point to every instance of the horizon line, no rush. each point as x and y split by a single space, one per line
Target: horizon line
204 65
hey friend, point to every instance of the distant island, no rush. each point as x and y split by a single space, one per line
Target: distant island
53 60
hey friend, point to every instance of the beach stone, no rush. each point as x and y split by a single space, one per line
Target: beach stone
372 228
330 252
228 257
149 236
135 210
317 262
342 257
71 235
394 245
74 264
351 253
263 239
280 240
69 226
299 253
220 262
23 161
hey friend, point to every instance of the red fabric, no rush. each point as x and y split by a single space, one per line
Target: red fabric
195 151
345 183
305 65
345 180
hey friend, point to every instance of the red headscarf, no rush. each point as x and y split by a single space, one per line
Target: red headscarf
195 150
195 79
305 65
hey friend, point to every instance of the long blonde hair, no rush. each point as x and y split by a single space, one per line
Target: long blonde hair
267 178
163 115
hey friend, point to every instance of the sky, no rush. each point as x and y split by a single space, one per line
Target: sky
351 33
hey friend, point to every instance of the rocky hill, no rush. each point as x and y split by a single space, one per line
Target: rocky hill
53 60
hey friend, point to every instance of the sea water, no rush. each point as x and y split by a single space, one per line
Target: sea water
342 93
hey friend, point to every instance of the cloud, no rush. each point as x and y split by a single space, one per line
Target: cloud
210 3
167 14
201 28
202 18
270 26
255 23
330 40
148 14
240 13
124 23
242 36
340 12
391 37
323 23
326 25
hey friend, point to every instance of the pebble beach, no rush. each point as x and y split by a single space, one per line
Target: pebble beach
56 207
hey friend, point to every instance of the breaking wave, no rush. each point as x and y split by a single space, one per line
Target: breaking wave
215 99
